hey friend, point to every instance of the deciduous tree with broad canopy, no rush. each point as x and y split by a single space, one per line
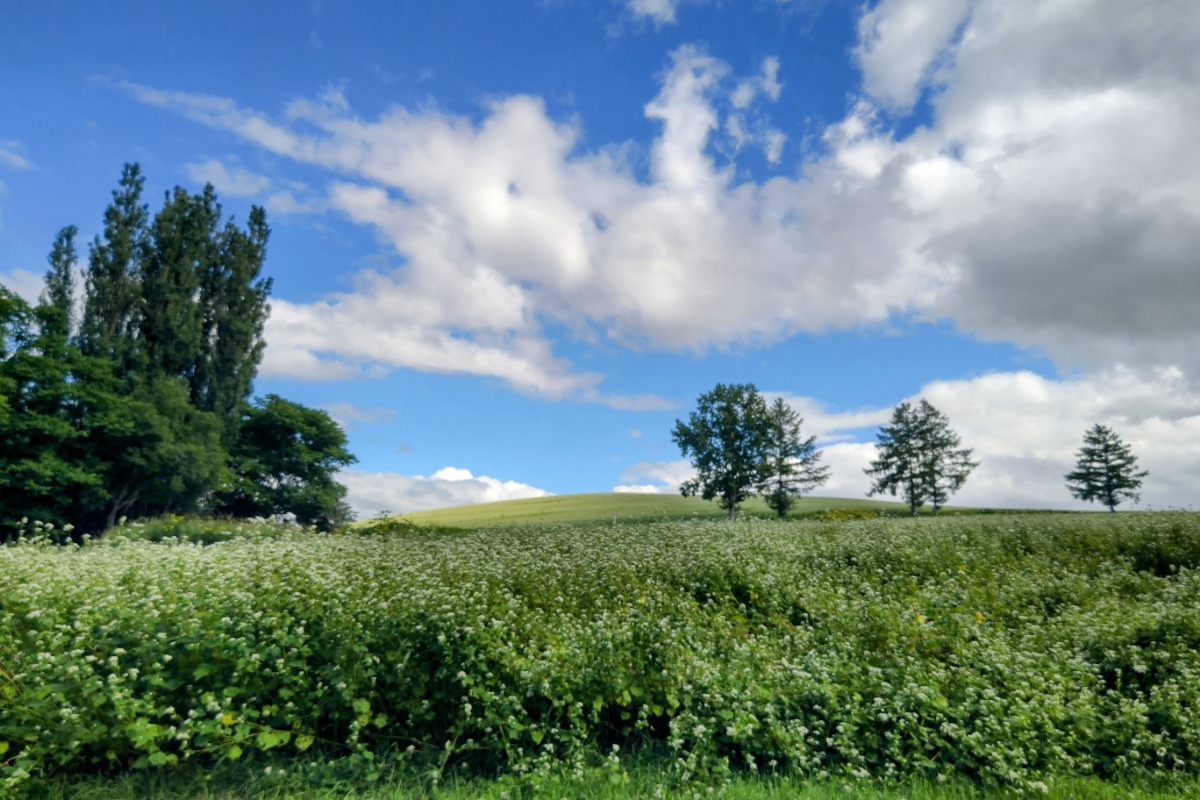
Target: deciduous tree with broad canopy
740 447
1106 470
727 438
919 457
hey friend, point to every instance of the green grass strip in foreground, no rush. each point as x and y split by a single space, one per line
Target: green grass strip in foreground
245 782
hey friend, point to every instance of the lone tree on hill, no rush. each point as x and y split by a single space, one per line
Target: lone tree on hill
1106 470
727 438
919 457
792 462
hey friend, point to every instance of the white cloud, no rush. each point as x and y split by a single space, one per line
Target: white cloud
900 43
661 12
11 155
25 283
1052 200
369 493
1058 182
655 477
351 416
234 181
831 426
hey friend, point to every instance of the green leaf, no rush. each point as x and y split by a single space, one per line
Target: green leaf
380 720
362 706
158 758
537 736
268 739
233 752
303 742
3 747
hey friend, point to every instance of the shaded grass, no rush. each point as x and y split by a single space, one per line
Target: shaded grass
252 780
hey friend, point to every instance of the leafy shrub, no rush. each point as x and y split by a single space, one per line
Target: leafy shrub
199 530
1000 649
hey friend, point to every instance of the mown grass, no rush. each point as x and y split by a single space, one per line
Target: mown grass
618 507
645 781
992 653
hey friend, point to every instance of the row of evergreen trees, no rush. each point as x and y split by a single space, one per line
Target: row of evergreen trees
136 400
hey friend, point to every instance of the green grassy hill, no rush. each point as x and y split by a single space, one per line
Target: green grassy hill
622 507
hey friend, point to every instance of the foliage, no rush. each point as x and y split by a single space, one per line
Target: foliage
1106 470
284 462
1003 651
726 437
918 455
137 412
792 462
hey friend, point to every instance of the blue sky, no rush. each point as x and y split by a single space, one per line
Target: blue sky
513 242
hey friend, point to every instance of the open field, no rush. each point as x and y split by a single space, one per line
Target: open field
990 652
630 507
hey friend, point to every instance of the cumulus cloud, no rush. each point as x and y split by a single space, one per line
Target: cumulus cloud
1058 181
370 493
900 44
1051 199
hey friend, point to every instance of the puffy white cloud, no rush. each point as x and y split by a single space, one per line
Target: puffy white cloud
369 493
900 43
1051 199
1058 182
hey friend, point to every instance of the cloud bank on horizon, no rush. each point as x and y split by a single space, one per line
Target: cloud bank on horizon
1025 171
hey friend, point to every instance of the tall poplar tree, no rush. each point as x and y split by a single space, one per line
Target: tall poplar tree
234 308
112 291
59 293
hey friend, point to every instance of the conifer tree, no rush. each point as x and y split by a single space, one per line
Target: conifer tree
792 462
919 457
1106 470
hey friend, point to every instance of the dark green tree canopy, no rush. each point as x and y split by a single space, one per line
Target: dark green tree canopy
793 465
1106 471
726 438
140 411
918 456
285 461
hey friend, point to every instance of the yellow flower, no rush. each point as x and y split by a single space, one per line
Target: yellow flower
227 719
979 616
920 619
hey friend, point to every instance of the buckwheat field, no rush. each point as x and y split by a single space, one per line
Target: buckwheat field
1001 649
